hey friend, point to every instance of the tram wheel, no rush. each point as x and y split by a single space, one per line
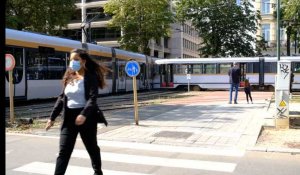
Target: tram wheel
196 88
271 88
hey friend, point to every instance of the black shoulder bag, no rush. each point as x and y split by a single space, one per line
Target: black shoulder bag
101 117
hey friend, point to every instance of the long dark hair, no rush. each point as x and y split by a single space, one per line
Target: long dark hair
90 67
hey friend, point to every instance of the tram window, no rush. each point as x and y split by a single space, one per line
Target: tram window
105 61
197 69
209 69
180 69
18 70
224 68
141 75
252 67
43 66
56 66
297 67
154 70
270 67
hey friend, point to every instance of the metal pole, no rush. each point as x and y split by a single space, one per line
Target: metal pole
11 97
181 39
135 101
296 42
90 32
278 30
83 16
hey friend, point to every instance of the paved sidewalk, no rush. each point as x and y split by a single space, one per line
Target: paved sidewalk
214 125
193 121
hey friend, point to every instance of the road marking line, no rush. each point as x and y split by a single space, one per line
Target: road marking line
156 147
159 161
8 151
48 169
177 149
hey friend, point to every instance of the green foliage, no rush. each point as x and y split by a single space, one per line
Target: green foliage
226 29
139 21
291 10
260 45
46 16
291 20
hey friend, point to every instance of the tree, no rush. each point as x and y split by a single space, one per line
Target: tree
260 45
139 21
46 16
291 20
226 29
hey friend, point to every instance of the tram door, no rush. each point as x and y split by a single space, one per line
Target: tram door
167 75
121 79
142 77
18 73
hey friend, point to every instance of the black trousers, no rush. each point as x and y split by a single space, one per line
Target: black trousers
248 94
68 135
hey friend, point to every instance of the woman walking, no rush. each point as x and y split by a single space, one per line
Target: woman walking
79 104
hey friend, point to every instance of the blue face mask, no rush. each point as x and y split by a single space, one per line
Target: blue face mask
75 65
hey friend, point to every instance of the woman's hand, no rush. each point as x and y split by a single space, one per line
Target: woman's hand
80 119
49 124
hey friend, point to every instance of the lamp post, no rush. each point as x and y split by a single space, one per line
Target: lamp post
83 18
181 29
85 21
278 30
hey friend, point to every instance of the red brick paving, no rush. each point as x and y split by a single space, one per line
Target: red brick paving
217 96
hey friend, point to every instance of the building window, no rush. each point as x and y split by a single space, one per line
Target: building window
266 31
265 7
166 42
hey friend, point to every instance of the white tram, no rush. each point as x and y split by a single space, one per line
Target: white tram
41 61
212 73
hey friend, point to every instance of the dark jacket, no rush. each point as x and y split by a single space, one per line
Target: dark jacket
234 75
91 93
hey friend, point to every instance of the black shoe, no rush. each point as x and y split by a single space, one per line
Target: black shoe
235 102
229 102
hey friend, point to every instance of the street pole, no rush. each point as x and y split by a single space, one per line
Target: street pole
282 84
278 30
83 16
181 39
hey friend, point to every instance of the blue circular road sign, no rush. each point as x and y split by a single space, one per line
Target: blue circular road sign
132 68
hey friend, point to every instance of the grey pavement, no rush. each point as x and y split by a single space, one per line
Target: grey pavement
219 125
214 125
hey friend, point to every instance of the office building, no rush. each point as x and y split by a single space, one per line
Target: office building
182 42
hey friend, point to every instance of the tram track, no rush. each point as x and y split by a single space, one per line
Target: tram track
106 103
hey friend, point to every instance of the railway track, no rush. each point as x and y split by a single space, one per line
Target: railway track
107 103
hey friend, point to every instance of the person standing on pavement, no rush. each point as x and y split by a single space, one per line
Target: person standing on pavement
79 104
234 78
247 90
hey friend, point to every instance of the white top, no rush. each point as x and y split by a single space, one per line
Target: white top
75 93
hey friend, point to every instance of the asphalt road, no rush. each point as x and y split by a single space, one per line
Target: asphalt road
36 155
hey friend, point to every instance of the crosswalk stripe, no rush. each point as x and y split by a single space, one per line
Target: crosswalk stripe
156 147
48 169
159 161
178 149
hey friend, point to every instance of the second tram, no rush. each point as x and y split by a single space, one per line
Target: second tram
212 73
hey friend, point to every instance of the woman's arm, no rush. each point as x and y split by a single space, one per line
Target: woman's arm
91 85
56 111
57 107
